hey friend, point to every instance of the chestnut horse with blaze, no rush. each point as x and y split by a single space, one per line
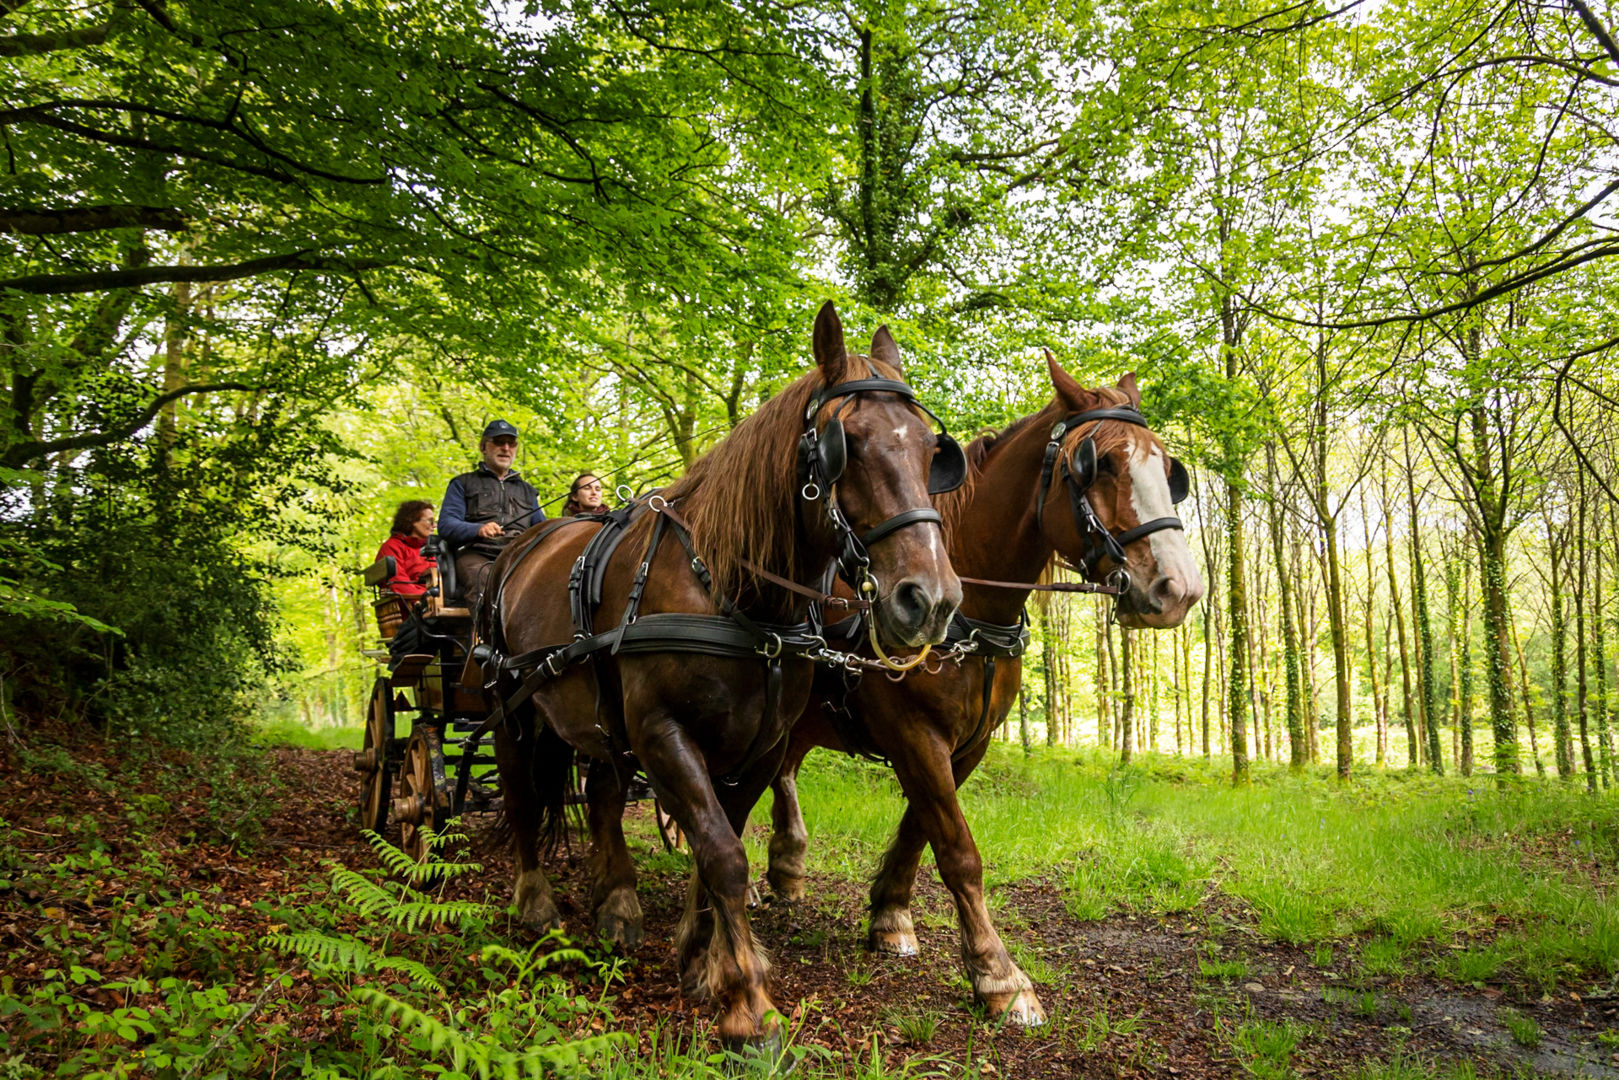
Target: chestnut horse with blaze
709 727
1050 484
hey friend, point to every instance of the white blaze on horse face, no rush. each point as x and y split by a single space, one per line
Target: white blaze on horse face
1150 499
901 431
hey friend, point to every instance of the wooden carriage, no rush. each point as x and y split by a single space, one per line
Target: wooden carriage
436 770
439 769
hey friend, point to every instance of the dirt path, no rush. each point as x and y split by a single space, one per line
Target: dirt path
1126 996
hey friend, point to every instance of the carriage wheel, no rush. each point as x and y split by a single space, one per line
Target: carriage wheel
668 828
376 771
419 806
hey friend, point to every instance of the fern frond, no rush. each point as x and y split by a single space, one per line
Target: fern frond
322 950
418 972
411 916
362 892
393 860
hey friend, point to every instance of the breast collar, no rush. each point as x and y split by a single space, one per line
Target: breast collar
1100 542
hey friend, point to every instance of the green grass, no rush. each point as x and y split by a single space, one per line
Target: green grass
1410 860
915 1026
1525 1032
290 733
1266 1048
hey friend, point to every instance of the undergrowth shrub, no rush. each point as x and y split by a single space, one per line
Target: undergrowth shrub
521 1023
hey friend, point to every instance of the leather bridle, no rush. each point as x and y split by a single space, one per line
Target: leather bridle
821 462
1100 542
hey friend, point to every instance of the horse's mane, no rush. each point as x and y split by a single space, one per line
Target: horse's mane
741 496
952 504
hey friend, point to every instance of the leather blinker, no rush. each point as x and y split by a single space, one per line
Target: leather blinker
948 470
1083 463
834 451
1180 482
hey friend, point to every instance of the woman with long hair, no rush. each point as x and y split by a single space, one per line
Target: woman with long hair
585 497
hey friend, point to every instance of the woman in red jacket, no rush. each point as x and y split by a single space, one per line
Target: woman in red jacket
413 524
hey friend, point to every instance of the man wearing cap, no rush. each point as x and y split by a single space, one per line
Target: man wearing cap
483 509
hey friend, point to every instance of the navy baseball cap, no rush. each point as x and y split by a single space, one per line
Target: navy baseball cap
498 428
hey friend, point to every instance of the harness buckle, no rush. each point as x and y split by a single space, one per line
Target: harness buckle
767 652
553 665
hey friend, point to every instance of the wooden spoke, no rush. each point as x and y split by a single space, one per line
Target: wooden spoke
376 771
668 828
420 783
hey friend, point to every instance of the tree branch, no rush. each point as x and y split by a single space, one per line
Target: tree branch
37 44
1597 29
17 456
99 280
74 219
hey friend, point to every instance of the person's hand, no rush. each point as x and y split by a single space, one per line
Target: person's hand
489 530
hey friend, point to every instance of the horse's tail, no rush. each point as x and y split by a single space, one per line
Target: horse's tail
536 791
554 780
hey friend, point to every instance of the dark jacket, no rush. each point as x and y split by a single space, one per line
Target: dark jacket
479 496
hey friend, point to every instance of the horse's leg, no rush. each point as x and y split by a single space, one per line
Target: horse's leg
926 774
892 931
714 943
788 838
524 806
612 875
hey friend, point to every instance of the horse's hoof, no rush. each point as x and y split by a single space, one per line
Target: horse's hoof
624 935
753 897
785 888
694 979
541 917
898 942
1021 1009
761 1055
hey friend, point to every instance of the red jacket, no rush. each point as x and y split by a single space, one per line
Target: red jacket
409 564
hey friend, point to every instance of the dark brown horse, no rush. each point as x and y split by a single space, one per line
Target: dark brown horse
710 730
934 728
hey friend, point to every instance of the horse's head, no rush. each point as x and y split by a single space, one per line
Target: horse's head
1109 501
872 450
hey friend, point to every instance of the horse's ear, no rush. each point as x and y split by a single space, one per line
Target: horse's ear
1131 390
1068 391
884 349
830 352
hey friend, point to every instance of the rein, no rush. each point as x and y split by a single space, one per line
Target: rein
1052 586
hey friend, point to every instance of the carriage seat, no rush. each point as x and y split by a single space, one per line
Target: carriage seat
439 549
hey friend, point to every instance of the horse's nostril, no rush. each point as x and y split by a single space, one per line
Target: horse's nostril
911 603
1166 592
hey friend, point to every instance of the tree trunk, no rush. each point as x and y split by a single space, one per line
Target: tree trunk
1103 720
1237 597
1528 703
1127 694
1582 704
1427 700
1561 736
1465 713
1599 658
1379 721
1208 673
1408 706
1023 718
1048 663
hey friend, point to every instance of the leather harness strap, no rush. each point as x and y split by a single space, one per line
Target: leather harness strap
1100 541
